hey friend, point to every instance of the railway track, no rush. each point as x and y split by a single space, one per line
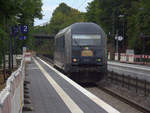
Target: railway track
124 99
113 93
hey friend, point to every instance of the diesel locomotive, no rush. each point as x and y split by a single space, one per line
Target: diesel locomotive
80 50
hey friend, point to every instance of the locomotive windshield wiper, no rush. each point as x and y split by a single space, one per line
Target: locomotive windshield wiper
77 43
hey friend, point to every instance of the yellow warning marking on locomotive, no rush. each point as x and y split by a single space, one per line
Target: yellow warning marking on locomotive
87 53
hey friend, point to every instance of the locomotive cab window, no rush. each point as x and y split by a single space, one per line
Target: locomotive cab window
83 40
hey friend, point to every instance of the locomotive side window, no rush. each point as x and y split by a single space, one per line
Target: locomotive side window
83 40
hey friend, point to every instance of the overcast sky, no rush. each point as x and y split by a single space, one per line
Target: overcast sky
49 6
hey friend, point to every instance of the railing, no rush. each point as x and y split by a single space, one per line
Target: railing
141 86
136 59
12 96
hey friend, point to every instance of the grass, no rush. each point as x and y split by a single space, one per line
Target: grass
2 83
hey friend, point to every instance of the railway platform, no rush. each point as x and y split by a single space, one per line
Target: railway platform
52 92
134 70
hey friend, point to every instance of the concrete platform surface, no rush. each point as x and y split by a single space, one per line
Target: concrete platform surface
53 92
140 71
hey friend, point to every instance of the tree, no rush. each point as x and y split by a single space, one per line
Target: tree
17 12
64 16
134 22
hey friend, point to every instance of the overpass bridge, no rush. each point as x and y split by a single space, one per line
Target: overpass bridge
44 36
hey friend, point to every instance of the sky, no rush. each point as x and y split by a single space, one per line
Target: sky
50 5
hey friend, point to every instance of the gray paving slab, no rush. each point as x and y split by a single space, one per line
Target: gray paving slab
87 105
43 96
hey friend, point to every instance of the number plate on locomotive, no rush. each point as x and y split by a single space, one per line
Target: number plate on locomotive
87 53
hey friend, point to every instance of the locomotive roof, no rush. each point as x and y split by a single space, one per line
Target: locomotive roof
83 27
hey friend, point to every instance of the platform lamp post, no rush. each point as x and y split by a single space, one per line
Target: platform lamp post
143 42
123 26
115 30
142 35
14 33
10 54
3 52
114 27
118 38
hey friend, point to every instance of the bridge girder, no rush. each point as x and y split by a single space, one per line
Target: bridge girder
43 36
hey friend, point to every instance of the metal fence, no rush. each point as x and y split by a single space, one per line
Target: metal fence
130 82
12 97
135 59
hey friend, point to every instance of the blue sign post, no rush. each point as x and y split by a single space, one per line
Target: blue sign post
15 31
24 30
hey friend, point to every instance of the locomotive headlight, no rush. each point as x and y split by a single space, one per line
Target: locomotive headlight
74 60
99 60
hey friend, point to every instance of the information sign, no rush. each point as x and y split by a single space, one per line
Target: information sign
24 29
23 37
